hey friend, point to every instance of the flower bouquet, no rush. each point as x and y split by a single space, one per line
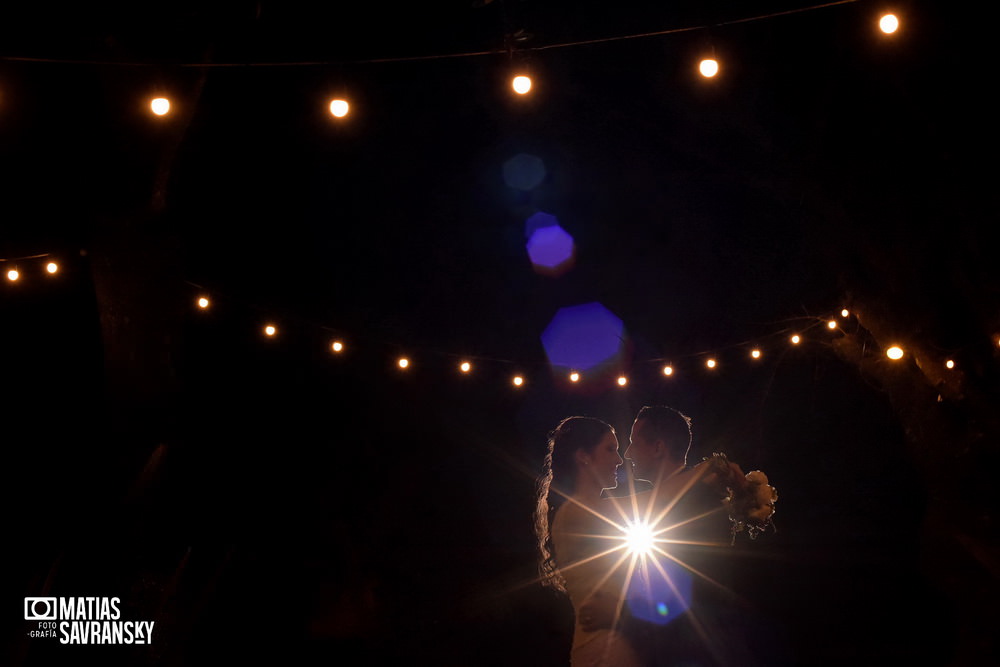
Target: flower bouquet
749 498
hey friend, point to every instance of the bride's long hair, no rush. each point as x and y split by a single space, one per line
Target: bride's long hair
558 481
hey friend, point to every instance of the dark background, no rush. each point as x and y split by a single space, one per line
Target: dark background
266 498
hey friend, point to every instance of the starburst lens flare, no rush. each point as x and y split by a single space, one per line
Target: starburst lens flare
639 538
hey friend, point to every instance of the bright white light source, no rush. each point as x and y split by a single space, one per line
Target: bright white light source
518 381
895 352
949 364
888 24
755 354
13 275
622 381
403 362
270 330
708 67
51 267
844 313
203 303
160 106
710 363
574 377
521 84
668 370
831 324
337 346
465 367
639 538
339 108
796 339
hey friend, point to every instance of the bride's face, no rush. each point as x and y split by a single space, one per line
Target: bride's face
604 461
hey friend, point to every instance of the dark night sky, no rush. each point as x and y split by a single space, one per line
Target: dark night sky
306 505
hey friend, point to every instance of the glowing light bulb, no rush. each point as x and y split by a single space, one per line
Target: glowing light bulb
949 364
339 108
622 381
796 339
708 67
844 313
270 330
203 303
465 367
755 354
403 362
668 370
52 267
521 84
710 363
895 353
831 324
13 275
337 346
888 24
574 377
517 381
639 538
160 106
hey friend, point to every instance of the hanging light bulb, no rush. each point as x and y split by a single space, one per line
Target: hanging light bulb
403 363
517 381
203 302
52 267
339 108
160 106
755 353
465 367
668 370
13 275
708 67
337 346
888 24
521 84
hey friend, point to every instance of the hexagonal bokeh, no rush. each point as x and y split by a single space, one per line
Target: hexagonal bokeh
524 172
551 250
584 336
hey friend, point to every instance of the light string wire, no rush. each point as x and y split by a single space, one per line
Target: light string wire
441 56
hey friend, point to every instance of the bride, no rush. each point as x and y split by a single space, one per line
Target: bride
576 543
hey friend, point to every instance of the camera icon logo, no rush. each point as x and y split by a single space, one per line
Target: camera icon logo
40 609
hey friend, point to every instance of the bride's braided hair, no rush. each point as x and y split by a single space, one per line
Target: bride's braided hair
557 481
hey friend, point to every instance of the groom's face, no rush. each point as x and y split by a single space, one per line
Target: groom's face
642 451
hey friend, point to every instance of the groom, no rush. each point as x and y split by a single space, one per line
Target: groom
659 445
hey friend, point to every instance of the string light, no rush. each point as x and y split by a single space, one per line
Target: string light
574 377
832 324
888 24
13 275
521 84
895 353
668 370
710 363
708 67
949 364
755 353
52 267
339 108
796 339
203 302
337 346
517 381
270 330
403 363
465 367
622 380
160 106
844 313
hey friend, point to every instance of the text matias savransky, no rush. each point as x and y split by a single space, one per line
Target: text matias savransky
85 620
